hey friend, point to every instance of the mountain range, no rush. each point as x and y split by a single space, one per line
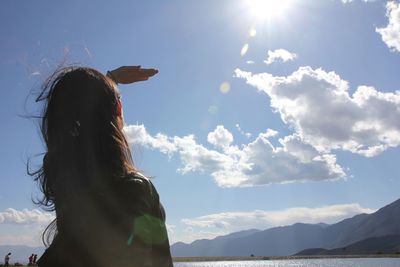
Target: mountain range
289 240
389 244
378 232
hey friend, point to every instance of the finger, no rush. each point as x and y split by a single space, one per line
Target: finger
151 69
141 79
149 72
130 68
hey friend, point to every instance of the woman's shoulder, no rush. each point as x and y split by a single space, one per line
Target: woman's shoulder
136 180
137 186
136 177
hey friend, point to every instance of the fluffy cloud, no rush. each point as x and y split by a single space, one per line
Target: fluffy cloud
25 217
194 157
256 163
23 227
220 137
280 55
318 106
260 219
391 33
137 134
190 234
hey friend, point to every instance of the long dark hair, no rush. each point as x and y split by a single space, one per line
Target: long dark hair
86 149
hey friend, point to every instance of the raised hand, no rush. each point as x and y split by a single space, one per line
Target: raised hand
131 74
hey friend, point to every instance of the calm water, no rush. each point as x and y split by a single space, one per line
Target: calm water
377 262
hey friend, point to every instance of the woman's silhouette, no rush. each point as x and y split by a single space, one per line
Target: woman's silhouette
107 213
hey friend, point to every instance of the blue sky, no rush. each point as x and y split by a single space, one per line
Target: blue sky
300 126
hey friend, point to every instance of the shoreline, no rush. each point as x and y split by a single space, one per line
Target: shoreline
259 258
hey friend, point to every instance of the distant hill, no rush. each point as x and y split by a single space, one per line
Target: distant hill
209 247
20 253
385 221
375 245
275 241
288 240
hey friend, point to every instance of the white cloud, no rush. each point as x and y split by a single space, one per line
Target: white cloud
220 137
227 222
194 157
23 227
22 235
391 33
137 134
256 163
190 234
170 228
171 232
25 216
318 106
280 55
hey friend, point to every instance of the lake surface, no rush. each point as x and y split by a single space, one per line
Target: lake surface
370 262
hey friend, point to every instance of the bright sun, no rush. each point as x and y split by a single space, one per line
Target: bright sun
267 9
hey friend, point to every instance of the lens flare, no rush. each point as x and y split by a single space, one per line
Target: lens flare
244 50
266 9
225 87
253 32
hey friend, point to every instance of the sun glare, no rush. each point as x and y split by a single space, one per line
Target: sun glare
267 9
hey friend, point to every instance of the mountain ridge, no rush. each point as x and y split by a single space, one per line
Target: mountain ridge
389 244
288 240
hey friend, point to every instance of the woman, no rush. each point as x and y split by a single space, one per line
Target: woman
107 213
